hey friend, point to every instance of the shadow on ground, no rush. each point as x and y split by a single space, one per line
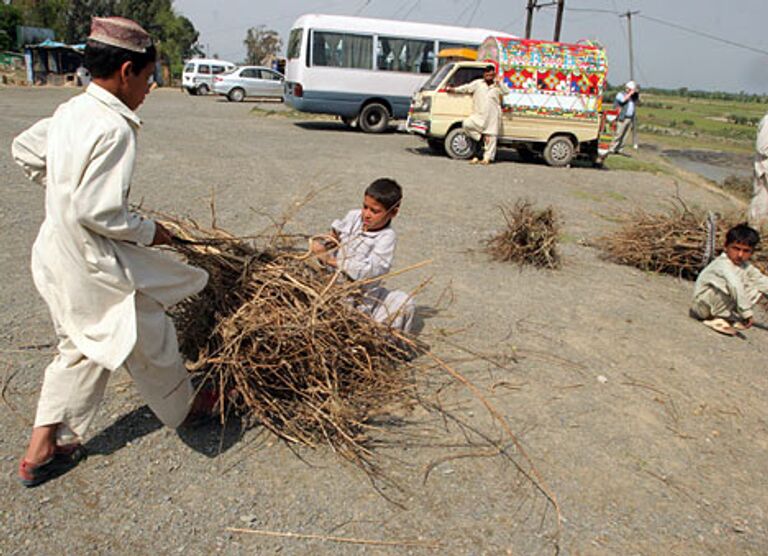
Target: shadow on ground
209 439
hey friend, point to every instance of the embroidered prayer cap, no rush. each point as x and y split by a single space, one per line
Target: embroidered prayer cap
631 85
121 33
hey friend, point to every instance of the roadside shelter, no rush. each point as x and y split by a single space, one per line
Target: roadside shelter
52 62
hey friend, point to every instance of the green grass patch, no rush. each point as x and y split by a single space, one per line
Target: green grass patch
289 113
599 197
618 162
709 122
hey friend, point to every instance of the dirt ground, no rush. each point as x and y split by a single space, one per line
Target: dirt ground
651 430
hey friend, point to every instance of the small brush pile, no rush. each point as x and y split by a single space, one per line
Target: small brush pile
280 338
529 238
676 242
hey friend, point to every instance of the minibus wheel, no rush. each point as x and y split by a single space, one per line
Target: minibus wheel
203 89
559 151
374 118
459 145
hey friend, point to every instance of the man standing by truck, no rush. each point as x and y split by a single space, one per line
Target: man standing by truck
485 121
758 206
626 102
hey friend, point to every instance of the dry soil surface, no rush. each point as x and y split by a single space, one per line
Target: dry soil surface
649 429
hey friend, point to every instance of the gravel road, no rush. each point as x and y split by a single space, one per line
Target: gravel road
651 430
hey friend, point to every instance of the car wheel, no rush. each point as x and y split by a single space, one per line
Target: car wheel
203 89
236 95
559 151
374 118
459 145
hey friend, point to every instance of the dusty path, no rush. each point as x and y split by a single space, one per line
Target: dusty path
650 429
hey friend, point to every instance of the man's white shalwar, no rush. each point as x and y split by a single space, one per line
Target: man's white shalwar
758 206
485 119
366 255
105 289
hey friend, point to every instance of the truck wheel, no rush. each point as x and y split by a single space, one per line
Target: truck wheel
559 151
236 95
459 145
374 118
436 146
203 89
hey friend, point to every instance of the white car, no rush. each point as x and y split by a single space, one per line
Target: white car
249 81
199 73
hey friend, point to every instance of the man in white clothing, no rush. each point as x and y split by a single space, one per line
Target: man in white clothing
485 121
106 291
626 102
758 206
362 246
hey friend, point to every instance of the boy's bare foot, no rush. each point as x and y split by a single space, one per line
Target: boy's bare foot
720 325
475 161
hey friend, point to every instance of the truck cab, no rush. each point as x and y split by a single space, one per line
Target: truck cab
553 110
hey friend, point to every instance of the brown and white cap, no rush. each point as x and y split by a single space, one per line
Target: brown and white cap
120 32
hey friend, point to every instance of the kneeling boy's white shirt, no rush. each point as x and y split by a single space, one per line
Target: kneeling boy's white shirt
89 258
744 284
364 254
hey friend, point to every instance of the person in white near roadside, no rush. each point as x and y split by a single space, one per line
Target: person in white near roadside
106 290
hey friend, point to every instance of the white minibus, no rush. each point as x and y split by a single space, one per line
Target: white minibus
365 70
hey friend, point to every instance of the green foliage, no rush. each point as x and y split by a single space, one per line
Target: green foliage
174 35
261 43
10 17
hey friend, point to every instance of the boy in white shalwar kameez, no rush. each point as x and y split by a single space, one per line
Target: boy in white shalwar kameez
362 246
106 291
728 288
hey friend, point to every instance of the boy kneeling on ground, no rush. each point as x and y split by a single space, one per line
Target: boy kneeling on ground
362 246
728 288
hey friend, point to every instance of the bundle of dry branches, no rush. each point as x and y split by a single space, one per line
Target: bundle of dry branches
530 236
282 341
674 242
281 337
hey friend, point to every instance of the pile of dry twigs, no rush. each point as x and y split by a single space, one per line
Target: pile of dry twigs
675 242
529 237
279 337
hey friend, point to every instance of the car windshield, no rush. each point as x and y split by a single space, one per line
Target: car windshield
436 78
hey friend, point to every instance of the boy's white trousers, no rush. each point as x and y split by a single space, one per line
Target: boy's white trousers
73 385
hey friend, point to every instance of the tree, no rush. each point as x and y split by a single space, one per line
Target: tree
261 43
10 17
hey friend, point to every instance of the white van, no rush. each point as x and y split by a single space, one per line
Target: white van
197 78
365 70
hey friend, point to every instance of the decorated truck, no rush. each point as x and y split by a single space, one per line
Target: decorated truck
553 109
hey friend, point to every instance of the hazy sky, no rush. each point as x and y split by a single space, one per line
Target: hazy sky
665 56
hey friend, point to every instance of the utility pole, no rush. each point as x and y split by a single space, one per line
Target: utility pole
559 19
529 20
629 15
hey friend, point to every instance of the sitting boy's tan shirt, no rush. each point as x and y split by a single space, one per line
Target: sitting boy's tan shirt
744 284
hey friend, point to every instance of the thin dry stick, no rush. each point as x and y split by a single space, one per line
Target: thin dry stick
532 473
309 536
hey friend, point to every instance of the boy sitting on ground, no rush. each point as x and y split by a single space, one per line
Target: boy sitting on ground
362 246
728 288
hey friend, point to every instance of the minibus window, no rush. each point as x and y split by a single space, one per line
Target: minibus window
396 54
342 50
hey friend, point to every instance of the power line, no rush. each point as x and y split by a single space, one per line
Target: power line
415 5
703 34
471 17
361 8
